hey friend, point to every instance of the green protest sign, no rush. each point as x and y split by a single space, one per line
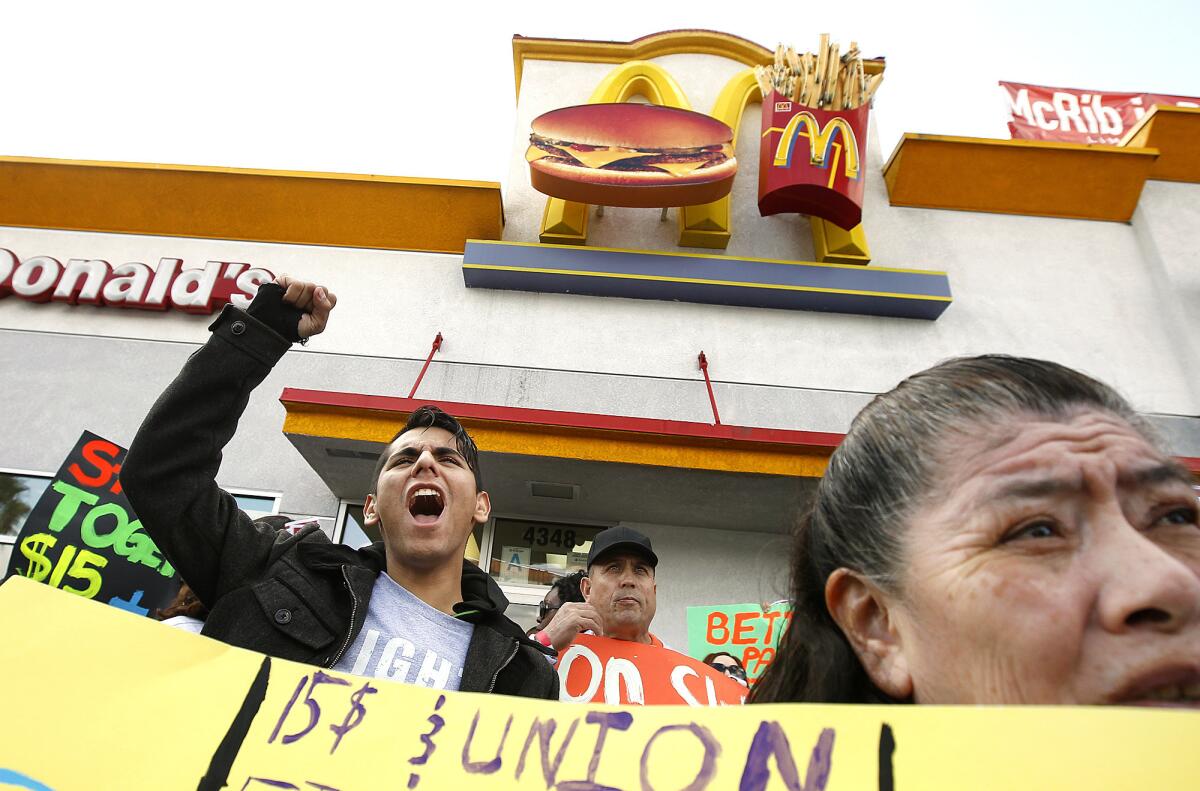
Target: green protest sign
82 536
748 631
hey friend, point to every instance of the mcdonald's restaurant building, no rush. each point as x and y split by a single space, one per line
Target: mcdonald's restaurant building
571 334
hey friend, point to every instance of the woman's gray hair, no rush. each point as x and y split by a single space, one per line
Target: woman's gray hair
882 471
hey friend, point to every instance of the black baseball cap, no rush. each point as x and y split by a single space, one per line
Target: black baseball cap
621 538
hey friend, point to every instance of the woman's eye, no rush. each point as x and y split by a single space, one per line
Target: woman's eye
1034 530
1179 516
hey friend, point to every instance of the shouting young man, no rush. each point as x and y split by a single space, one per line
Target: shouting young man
408 608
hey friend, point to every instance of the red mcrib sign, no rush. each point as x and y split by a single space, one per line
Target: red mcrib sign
1072 115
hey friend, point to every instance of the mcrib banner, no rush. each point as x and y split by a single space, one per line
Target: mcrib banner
1074 115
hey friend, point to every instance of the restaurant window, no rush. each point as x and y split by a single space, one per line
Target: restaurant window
21 489
19 492
533 552
354 532
256 504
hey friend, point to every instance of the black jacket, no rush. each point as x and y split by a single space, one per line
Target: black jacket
297 597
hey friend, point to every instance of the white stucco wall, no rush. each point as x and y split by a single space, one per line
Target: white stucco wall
1072 291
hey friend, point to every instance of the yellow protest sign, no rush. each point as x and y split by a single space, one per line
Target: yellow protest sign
99 698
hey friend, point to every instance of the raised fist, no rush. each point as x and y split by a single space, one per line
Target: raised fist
314 301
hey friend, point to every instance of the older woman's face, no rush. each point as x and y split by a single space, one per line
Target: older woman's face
1057 562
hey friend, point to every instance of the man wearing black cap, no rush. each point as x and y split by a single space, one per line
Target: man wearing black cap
619 590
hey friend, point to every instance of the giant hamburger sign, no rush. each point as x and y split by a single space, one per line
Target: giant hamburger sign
633 155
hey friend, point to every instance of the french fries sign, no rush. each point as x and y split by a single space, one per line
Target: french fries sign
814 122
810 162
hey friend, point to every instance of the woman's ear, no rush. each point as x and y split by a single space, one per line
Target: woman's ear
864 614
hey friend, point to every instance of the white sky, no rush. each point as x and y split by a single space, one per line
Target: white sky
330 86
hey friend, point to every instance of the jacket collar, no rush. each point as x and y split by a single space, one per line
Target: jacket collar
482 600
325 556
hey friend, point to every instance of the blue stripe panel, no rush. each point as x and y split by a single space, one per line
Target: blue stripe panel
748 283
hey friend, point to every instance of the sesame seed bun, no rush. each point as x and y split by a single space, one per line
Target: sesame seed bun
632 126
652 140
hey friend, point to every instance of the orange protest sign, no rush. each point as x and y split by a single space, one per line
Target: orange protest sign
602 670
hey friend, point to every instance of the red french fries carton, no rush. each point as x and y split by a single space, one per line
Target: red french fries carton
812 161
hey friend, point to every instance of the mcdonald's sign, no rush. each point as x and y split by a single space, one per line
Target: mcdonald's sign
821 176
565 221
755 273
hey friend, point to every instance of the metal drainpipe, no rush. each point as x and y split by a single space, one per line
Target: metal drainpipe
437 344
708 383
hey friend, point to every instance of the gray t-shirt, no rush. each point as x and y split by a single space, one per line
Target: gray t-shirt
404 639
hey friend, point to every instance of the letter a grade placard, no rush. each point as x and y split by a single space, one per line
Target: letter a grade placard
83 537
251 723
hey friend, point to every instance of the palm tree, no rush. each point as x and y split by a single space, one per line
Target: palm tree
12 508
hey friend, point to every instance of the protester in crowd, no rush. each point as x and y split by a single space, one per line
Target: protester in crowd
185 612
408 608
996 530
564 590
619 592
728 664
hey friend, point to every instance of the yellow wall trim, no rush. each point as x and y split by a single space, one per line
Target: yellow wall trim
1175 132
1031 177
377 426
290 207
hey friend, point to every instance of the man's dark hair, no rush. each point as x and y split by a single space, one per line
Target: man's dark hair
568 587
430 416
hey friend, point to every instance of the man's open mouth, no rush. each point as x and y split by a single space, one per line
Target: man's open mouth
425 505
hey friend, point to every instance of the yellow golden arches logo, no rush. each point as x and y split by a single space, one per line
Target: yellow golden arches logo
640 78
707 225
820 141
